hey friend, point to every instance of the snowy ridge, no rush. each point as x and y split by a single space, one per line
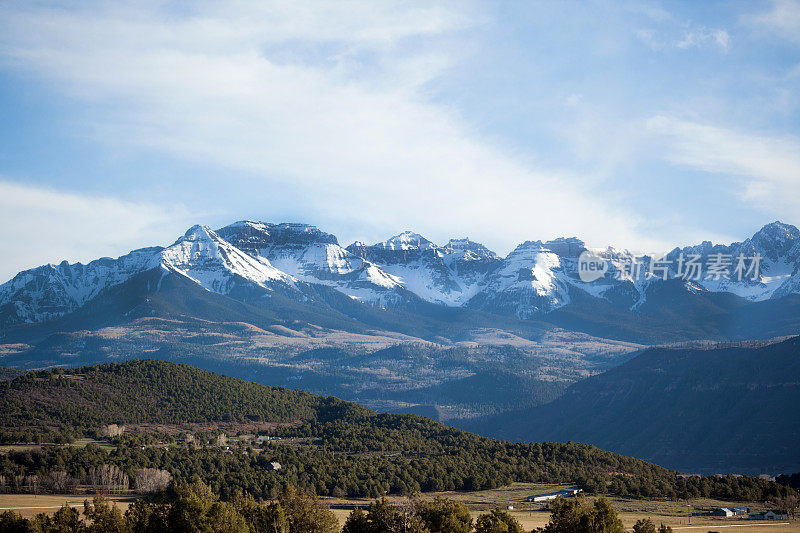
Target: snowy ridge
51 291
215 264
408 240
531 280
447 275
310 255
777 243
535 278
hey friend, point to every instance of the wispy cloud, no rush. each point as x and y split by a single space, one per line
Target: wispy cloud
44 226
321 99
765 170
782 18
455 119
696 37
699 37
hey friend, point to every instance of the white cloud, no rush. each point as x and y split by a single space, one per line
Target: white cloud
699 37
318 97
46 226
766 170
695 37
783 18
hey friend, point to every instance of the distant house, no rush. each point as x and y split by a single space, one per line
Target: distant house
772 514
543 497
564 493
722 511
274 465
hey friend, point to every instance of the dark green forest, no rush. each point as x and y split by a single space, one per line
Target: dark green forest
327 446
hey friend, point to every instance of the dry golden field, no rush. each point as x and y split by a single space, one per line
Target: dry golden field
29 505
671 513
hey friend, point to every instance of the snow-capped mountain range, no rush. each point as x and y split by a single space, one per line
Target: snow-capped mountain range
249 259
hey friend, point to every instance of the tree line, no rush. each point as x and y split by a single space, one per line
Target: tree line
192 507
460 464
105 478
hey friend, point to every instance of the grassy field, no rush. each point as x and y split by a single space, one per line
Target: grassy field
104 444
5 448
29 505
671 513
530 515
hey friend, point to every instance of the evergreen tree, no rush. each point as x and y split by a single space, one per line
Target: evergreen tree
644 525
103 517
575 515
261 518
443 515
65 520
384 517
356 522
306 514
11 522
497 521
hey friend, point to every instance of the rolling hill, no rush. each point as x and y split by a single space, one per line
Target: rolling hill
328 445
709 409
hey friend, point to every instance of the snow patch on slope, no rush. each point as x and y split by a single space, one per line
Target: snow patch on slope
212 262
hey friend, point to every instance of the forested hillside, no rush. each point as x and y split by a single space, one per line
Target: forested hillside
328 446
151 391
707 410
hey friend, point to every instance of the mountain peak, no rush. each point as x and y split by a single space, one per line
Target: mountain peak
215 264
775 239
200 232
778 230
298 233
251 224
251 235
469 249
407 240
566 246
530 245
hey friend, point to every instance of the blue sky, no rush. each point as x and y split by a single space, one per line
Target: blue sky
638 124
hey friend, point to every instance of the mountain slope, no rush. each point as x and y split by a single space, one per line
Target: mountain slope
250 261
218 266
50 292
718 409
308 254
448 275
